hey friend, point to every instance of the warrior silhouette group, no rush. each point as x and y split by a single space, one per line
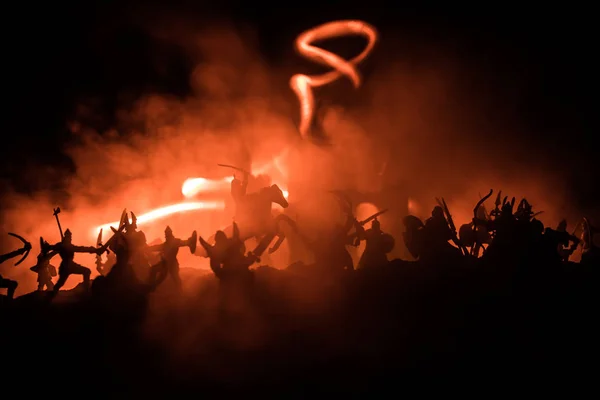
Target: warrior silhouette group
509 233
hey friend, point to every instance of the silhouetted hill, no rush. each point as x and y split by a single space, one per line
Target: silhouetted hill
390 330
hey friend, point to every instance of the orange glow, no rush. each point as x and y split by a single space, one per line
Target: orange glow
414 207
165 211
193 186
302 84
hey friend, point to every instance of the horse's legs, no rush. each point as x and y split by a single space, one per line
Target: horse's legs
263 244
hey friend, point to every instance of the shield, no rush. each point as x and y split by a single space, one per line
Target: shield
387 242
413 237
192 242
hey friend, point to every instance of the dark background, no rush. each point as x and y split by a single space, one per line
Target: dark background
57 53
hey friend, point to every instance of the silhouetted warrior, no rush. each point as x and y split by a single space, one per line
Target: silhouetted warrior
121 273
437 234
239 187
168 253
227 259
66 250
329 248
9 284
563 238
591 253
137 247
378 245
505 229
44 270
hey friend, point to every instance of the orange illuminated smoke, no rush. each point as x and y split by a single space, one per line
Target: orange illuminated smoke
165 211
302 85
193 186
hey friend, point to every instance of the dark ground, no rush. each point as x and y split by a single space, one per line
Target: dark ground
394 330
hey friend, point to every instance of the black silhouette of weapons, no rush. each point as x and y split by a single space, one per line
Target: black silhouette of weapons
26 245
56 212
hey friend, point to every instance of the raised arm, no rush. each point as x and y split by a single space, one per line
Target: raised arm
157 247
206 246
86 249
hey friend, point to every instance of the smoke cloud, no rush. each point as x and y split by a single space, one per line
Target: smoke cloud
412 132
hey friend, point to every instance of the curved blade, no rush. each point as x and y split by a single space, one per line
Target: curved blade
22 258
372 217
18 237
481 201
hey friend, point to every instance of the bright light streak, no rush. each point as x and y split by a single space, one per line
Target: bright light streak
165 211
193 186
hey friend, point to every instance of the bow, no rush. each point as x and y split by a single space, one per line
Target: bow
481 201
26 246
450 220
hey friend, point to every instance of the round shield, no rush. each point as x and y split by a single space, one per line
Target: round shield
412 222
413 240
387 242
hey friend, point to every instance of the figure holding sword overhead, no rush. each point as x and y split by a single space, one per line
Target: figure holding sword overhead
378 243
239 187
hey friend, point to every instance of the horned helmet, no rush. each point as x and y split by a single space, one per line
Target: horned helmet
125 221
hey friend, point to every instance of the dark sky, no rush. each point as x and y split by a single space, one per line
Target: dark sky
55 54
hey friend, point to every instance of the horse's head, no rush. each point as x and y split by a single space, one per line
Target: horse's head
276 196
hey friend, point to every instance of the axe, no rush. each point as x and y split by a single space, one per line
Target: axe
56 212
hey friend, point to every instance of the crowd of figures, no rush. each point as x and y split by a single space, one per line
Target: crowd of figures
507 234
499 288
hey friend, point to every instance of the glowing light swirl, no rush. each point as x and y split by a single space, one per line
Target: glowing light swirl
303 85
165 211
